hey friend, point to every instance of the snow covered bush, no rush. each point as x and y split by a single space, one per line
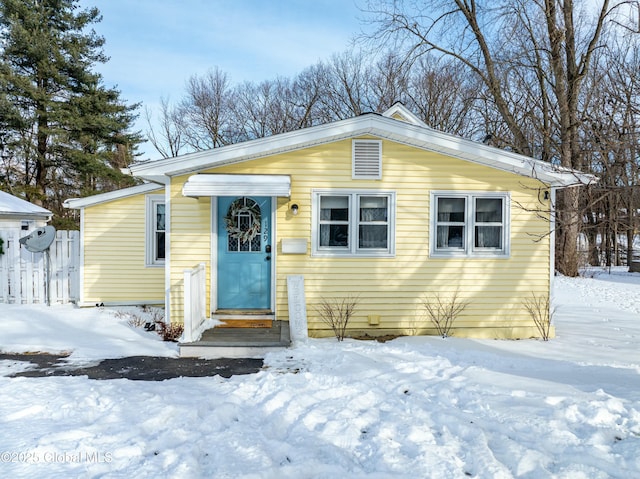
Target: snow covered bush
442 311
336 312
540 310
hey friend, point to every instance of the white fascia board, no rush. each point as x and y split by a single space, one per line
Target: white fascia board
79 203
25 216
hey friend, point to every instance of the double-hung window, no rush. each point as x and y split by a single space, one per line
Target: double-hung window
469 224
155 230
353 223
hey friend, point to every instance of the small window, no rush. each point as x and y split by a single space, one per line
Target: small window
350 223
469 224
156 230
159 232
367 159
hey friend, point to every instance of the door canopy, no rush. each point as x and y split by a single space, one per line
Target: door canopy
237 185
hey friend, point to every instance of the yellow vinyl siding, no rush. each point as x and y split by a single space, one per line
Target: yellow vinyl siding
190 241
114 254
393 287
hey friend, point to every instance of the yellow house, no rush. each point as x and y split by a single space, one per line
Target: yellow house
380 208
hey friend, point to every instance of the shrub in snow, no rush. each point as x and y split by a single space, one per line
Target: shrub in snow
169 332
136 321
443 311
540 310
336 312
146 317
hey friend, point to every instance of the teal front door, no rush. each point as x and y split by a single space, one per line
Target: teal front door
244 252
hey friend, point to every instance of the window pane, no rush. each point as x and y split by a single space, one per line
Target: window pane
160 217
451 210
373 236
450 237
334 208
160 246
488 237
489 210
334 235
373 208
244 221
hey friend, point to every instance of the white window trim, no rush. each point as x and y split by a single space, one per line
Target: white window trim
353 250
150 237
469 249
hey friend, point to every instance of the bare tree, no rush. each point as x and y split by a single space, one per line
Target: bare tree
203 114
166 135
611 137
307 89
490 39
347 92
443 95
389 82
260 110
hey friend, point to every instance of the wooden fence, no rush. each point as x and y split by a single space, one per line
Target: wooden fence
23 275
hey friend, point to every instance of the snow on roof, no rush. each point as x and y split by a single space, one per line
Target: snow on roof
409 131
79 203
13 206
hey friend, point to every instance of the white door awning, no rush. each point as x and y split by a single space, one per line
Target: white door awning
237 185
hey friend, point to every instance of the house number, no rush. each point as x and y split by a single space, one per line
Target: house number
265 231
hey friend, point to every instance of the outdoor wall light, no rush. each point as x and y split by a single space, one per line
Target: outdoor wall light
546 195
294 209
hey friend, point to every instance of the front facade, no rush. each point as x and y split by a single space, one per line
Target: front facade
380 208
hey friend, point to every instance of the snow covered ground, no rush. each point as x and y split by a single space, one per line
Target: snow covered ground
419 407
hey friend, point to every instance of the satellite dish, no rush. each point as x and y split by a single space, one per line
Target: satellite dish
39 240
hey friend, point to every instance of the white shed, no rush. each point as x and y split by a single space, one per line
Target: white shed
21 272
19 215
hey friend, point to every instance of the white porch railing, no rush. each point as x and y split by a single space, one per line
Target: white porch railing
195 302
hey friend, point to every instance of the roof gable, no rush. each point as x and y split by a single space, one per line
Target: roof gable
370 124
400 112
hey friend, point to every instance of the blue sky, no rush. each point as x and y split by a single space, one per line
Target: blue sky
156 45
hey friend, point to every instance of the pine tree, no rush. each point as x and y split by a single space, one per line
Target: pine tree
62 132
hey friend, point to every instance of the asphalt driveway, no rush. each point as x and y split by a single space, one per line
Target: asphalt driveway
137 368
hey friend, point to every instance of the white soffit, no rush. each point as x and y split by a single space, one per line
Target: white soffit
237 185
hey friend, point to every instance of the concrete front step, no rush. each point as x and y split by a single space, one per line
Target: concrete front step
223 342
195 350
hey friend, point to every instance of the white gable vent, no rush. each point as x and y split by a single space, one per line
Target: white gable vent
367 159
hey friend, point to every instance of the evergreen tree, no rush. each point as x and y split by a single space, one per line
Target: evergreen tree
62 132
